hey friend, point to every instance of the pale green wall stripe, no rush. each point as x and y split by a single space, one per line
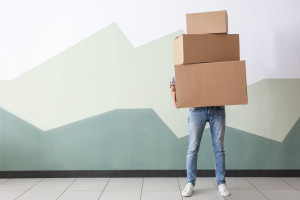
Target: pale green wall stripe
272 111
105 72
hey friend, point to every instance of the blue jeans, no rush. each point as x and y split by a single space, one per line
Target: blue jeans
197 119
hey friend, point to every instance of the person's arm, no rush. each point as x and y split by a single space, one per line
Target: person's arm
173 91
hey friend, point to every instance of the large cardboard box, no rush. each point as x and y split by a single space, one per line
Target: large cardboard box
207 22
198 48
211 84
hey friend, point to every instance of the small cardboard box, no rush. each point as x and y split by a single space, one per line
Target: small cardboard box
207 22
198 48
211 84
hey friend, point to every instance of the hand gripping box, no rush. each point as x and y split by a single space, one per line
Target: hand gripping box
211 84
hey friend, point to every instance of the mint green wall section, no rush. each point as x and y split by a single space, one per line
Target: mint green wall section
120 139
105 72
247 151
65 114
101 73
132 139
273 109
70 86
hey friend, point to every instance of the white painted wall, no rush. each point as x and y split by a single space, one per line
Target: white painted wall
32 31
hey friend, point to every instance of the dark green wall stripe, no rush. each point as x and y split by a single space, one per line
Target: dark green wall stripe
134 139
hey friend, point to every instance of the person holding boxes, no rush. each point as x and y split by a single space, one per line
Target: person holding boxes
209 75
198 116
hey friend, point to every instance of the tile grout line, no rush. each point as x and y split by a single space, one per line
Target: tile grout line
288 183
142 188
211 178
4 181
66 189
256 188
104 188
179 188
29 188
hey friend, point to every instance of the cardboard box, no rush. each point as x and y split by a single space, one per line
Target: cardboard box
198 48
207 22
211 84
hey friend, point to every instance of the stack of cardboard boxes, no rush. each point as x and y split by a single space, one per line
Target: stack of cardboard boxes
208 70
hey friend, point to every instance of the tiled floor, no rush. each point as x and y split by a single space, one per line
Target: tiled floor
146 189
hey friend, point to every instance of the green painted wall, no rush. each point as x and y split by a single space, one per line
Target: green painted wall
132 139
103 104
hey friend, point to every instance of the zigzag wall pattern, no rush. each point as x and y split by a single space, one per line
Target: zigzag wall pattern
65 113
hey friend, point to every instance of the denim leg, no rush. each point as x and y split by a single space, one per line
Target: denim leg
217 118
197 121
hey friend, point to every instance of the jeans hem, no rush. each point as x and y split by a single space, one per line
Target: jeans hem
221 183
191 183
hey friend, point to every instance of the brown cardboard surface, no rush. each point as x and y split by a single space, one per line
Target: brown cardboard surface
207 22
198 48
211 84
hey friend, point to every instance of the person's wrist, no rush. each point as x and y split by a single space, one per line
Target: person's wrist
173 89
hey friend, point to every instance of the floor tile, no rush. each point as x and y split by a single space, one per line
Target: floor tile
238 183
91 185
10 195
40 195
92 180
293 181
3 180
161 195
154 188
120 195
160 179
62 185
201 183
58 180
282 194
205 194
269 183
16 185
80 195
246 195
136 185
126 180
182 179
161 185
19 180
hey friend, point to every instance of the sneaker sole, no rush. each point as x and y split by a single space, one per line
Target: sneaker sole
225 195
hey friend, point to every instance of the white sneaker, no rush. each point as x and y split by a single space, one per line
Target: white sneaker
224 190
188 190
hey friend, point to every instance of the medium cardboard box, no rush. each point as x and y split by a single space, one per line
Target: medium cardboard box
207 22
198 48
211 84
